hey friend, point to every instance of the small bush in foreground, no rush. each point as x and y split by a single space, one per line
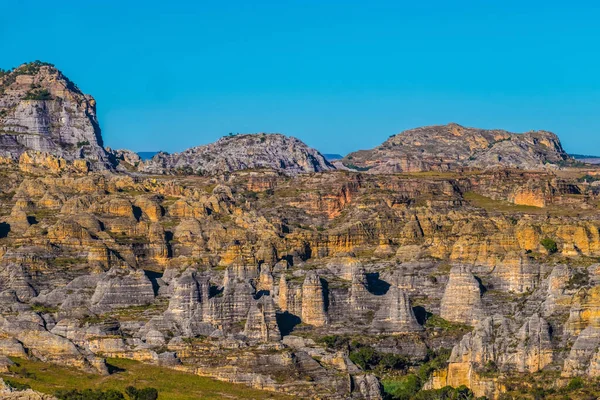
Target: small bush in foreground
141 394
89 394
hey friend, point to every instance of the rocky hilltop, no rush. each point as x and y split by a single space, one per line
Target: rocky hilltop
239 152
41 110
454 147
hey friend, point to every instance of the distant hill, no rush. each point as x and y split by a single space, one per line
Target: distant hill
243 151
146 155
586 158
333 157
452 147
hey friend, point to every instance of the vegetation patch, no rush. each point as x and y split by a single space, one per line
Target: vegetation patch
409 386
170 384
550 245
38 94
489 204
434 321
356 167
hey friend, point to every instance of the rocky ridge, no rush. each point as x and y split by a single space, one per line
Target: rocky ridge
241 152
454 147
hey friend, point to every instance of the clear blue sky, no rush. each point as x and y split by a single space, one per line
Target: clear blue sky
340 75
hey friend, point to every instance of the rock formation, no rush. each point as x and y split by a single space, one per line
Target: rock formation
313 301
9 393
452 147
42 110
261 324
395 314
248 151
462 298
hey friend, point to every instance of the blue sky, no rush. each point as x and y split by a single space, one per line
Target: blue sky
340 75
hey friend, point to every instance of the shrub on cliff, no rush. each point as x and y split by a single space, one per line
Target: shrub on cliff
448 392
368 358
365 357
39 94
549 245
334 341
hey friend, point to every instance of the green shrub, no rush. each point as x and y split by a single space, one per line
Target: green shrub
446 393
334 341
38 94
549 245
389 361
575 383
42 309
435 361
16 385
141 394
365 357
404 388
587 178
89 394
356 167
368 358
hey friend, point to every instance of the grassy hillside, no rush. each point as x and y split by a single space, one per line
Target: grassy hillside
171 385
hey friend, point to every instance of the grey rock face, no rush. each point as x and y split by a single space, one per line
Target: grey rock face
583 355
313 302
116 290
395 314
497 339
448 147
261 324
188 302
462 298
368 386
28 329
42 110
8 393
232 153
125 158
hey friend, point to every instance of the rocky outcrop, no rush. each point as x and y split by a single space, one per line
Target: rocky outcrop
120 289
368 386
453 147
395 314
313 301
242 152
43 111
9 393
462 298
583 357
261 324
497 343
